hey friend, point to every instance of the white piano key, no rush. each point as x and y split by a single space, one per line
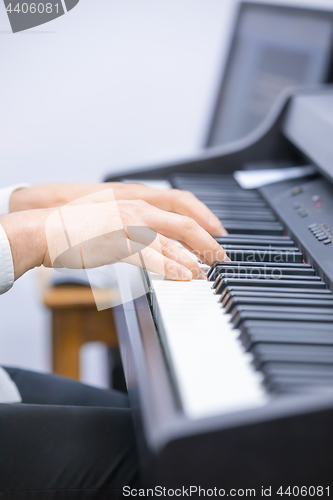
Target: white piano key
213 373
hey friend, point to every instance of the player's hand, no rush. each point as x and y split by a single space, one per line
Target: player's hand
92 233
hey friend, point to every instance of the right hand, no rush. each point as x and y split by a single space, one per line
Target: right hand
92 233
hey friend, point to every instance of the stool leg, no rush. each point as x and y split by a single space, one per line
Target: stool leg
67 341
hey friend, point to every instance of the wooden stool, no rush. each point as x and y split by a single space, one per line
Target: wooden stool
76 320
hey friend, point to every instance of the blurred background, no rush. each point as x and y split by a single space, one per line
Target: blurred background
110 85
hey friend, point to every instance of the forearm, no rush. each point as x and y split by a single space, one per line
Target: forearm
26 235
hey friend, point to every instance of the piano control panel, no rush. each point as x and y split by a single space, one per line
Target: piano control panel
306 210
307 207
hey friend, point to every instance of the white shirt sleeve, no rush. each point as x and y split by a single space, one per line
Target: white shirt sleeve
9 393
8 390
6 261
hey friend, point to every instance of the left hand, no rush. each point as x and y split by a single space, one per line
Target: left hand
170 200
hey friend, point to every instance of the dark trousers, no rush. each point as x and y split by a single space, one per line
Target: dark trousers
66 440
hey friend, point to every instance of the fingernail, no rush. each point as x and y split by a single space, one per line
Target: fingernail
226 258
185 275
201 276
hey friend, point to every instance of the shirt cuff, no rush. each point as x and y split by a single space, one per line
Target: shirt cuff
5 195
6 263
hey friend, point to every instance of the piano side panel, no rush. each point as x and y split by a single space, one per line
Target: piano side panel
292 451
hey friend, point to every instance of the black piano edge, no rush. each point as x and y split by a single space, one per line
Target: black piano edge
163 430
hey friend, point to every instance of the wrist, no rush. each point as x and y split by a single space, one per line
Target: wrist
26 235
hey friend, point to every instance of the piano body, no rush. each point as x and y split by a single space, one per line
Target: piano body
232 386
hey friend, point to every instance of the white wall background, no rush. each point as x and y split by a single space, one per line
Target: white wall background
110 85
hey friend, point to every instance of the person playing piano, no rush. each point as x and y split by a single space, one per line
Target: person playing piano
68 439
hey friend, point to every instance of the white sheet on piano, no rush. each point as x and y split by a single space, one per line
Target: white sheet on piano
213 372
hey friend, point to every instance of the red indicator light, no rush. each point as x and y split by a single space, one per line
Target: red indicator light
318 204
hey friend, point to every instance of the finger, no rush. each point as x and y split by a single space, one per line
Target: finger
170 250
148 237
154 261
186 203
184 229
203 257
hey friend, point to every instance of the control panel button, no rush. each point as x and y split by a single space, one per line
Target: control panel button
315 198
303 213
296 190
321 238
327 241
313 226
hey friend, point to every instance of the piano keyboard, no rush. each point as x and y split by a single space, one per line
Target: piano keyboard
261 326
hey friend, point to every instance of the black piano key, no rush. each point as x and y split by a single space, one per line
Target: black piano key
287 385
254 336
221 277
269 301
216 196
309 311
276 373
269 283
276 295
264 269
263 276
261 248
228 289
262 279
264 353
270 228
203 177
249 240
249 256
267 226
238 319
285 325
186 179
267 270
258 212
225 194
215 185
232 216
257 238
281 265
272 369
220 203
